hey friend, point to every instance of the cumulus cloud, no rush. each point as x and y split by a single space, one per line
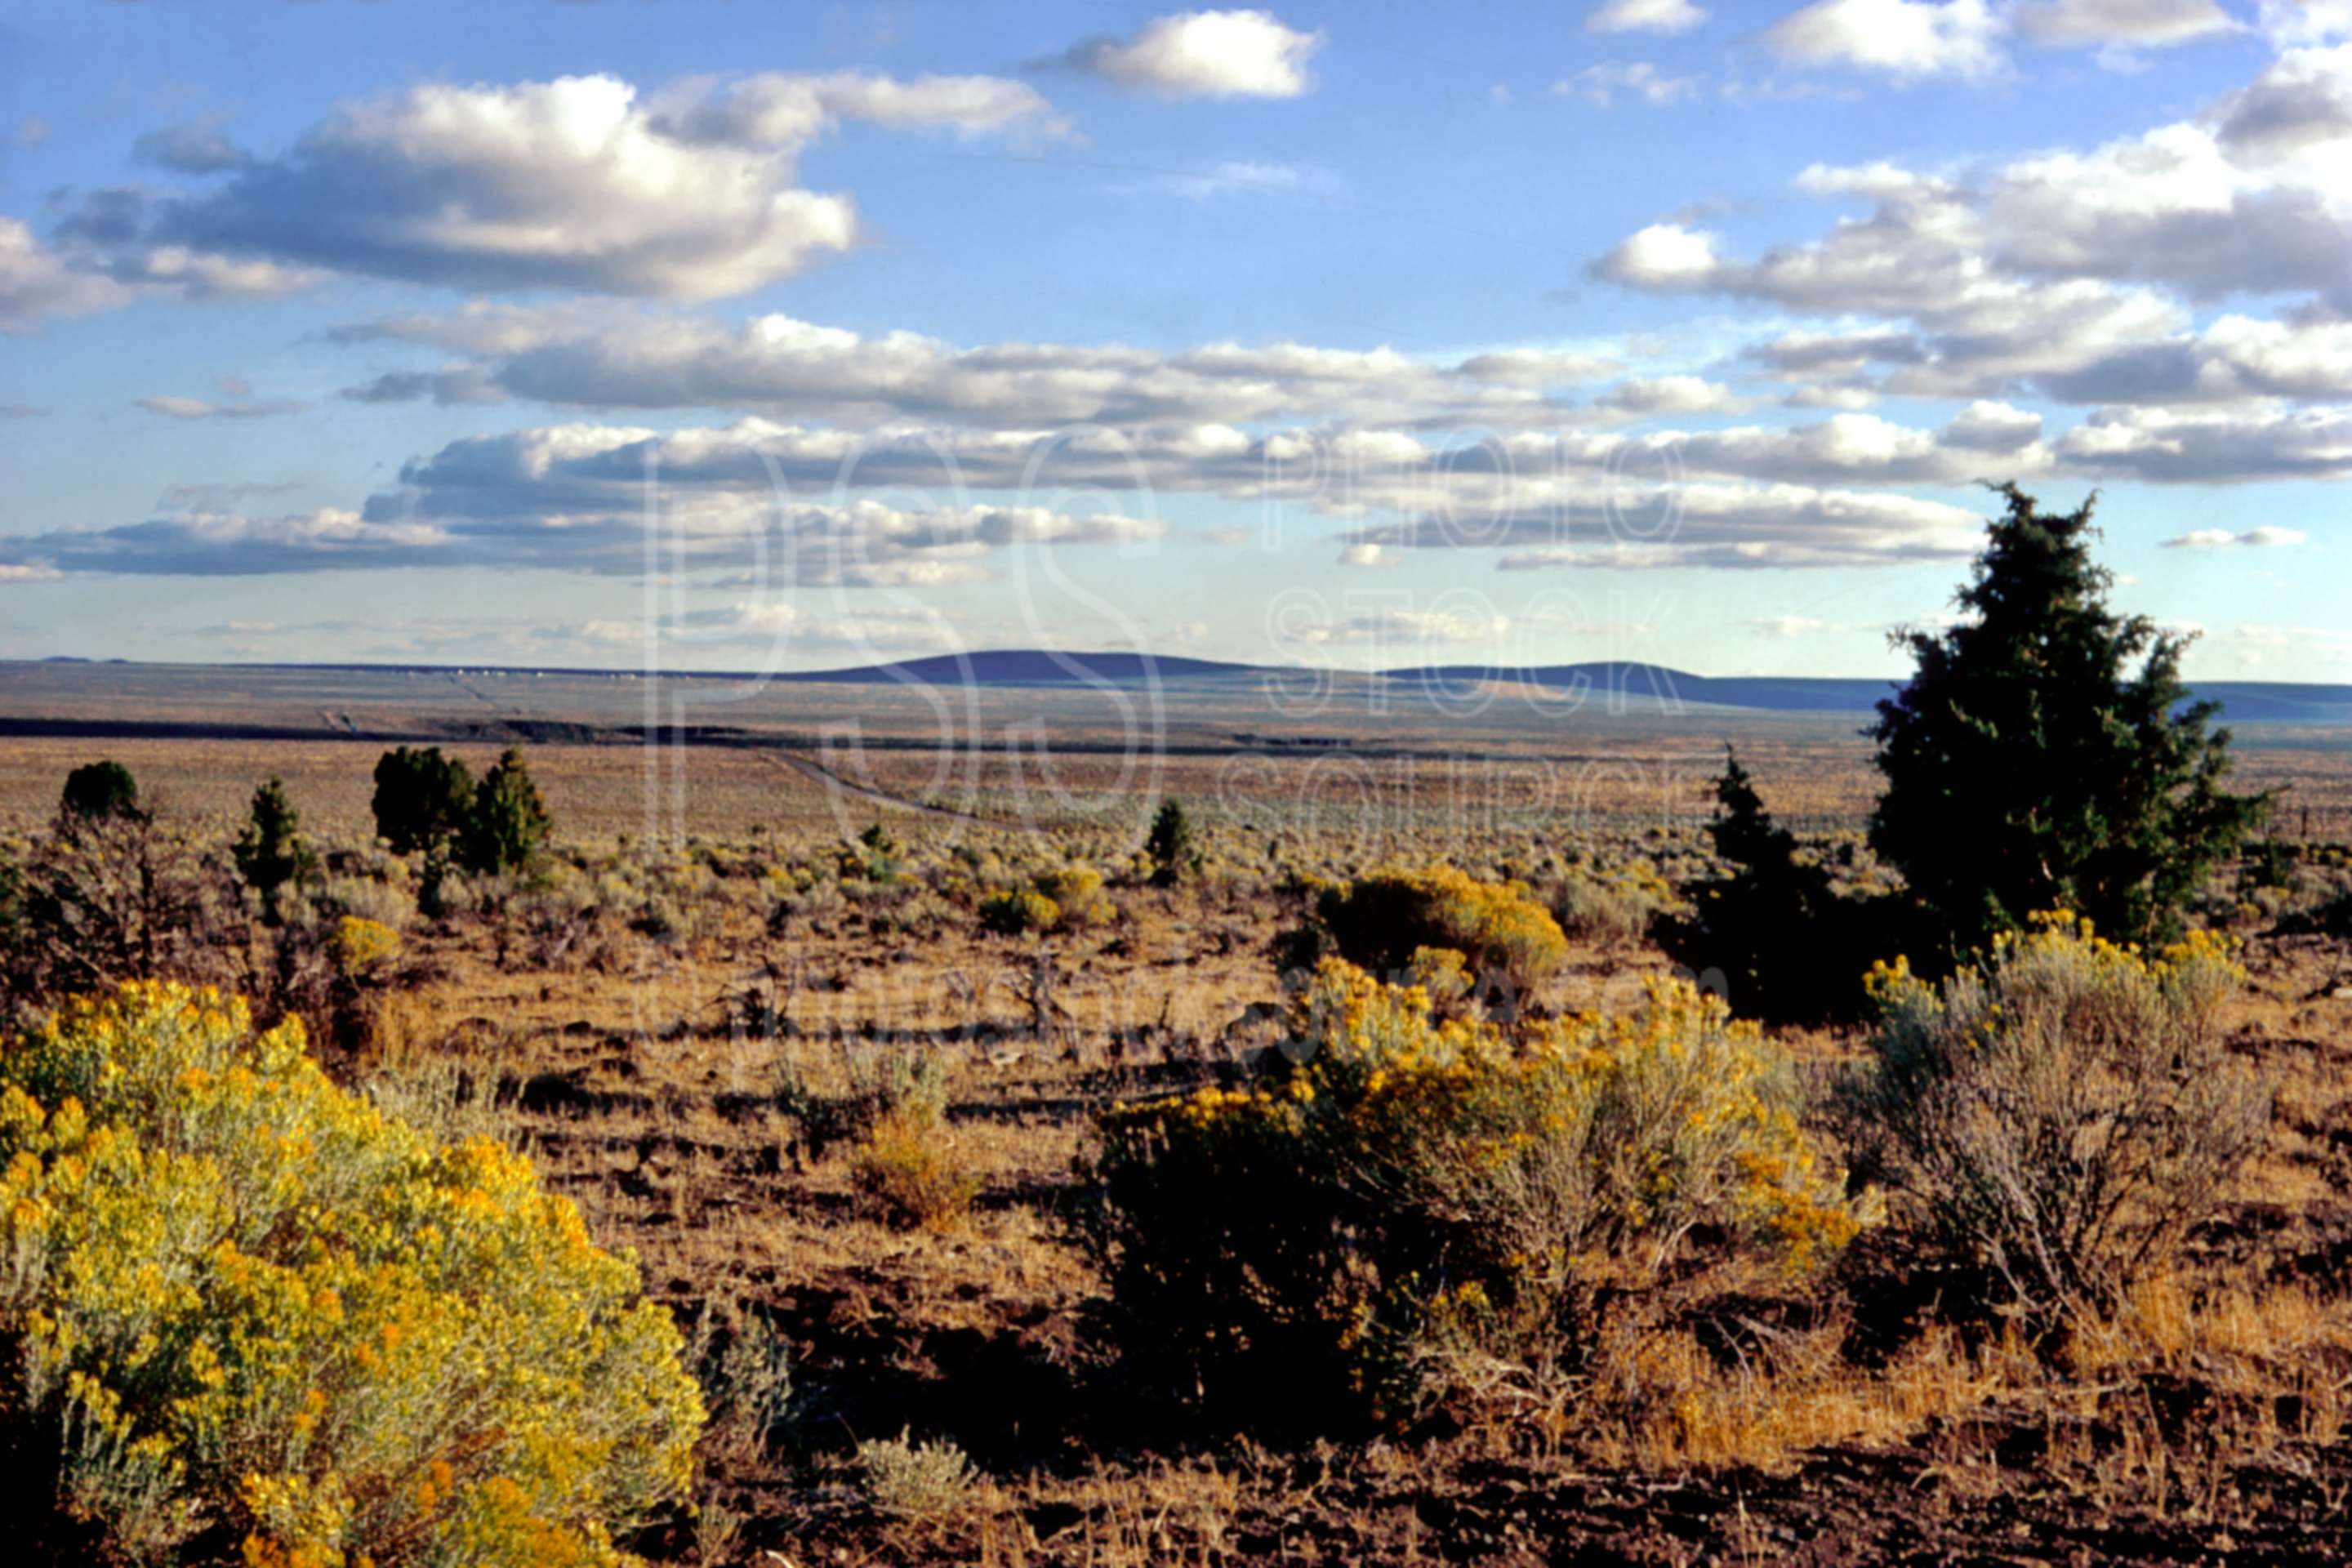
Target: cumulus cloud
1600 85
529 508
2067 272
577 183
1907 39
778 365
37 286
1205 54
2211 446
1731 526
1644 17
2291 23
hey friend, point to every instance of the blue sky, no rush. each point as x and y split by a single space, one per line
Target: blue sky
734 336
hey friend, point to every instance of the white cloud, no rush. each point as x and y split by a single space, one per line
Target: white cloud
1667 395
1907 39
2291 23
199 409
1368 555
575 183
778 365
1644 17
1600 85
1205 54
2128 23
1790 627
1391 626
37 285
2222 539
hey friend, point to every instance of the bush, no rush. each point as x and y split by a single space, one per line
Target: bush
253 1315
907 1164
1378 922
2064 1111
114 896
97 790
359 946
1018 910
1077 895
876 1080
905 1479
1609 909
1398 1199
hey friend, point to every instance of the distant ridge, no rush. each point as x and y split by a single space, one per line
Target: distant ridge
1624 684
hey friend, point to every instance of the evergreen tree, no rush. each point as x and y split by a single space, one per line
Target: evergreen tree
422 800
96 791
2044 754
1174 849
508 822
1785 946
270 851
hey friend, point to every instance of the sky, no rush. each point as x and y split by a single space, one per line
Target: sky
741 337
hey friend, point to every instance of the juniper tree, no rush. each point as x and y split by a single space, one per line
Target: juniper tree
508 822
270 851
2045 753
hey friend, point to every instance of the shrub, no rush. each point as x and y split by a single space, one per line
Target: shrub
422 799
1077 895
1018 910
2045 753
2064 1111
246 1305
1608 908
270 852
359 946
907 1479
98 790
1399 1198
508 823
1380 920
907 1164
876 1080
112 898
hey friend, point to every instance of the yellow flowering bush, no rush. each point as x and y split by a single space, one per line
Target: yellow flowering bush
1378 920
253 1314
2065 1110
1402 1196
359 945
1018 910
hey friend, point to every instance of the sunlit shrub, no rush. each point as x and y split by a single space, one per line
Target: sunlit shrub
1378 920
360 947
2064 1111
871 1082
1019 911
1400 1197
907 1479
1616 908
908 1164
1077 892
248 1305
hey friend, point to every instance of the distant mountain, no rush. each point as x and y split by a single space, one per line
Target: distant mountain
1624 683
1032 666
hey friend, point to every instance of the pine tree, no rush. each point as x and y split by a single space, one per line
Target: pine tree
270 851
508 822
422 799
1171 844
2045 755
